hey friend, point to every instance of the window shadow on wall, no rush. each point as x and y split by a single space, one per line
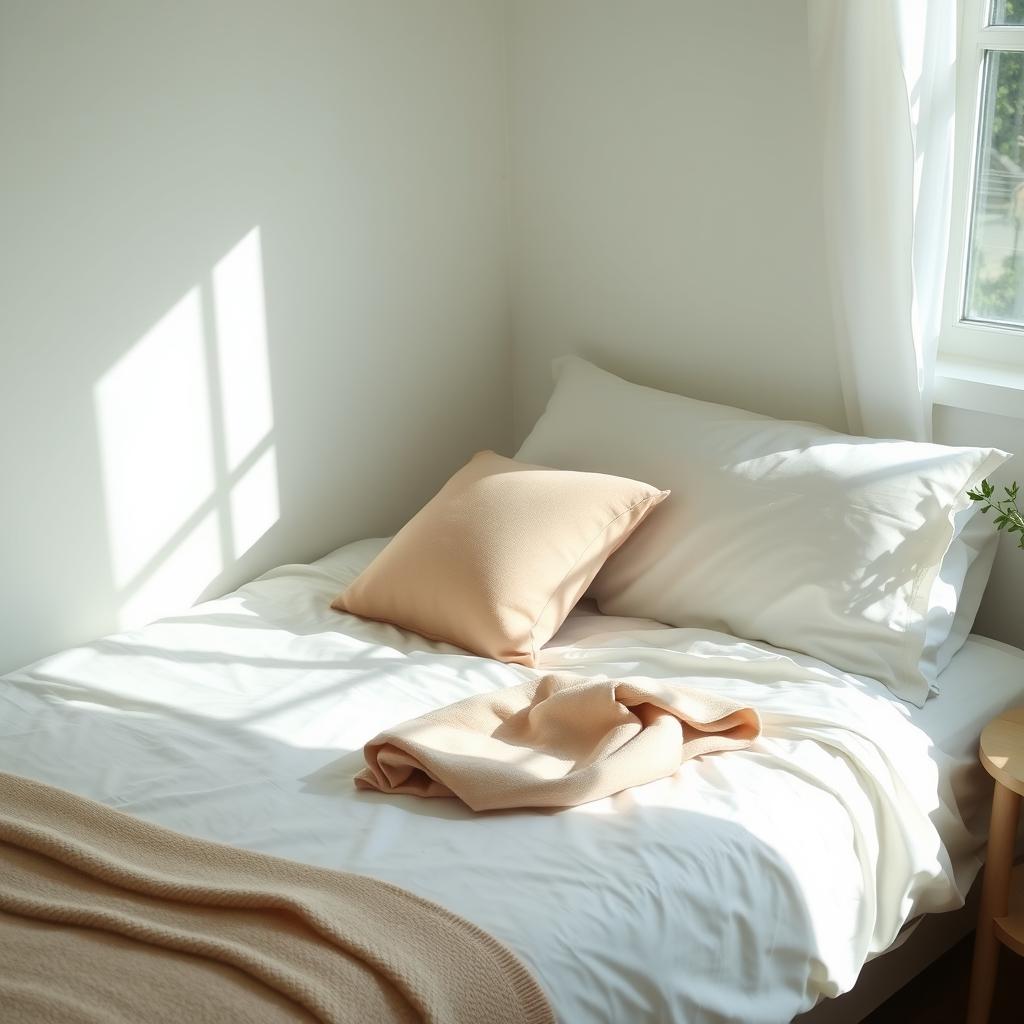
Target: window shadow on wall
185 428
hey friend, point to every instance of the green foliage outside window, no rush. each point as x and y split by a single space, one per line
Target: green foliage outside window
994 291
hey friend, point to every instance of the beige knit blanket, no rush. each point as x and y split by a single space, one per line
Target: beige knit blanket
555 741
107 918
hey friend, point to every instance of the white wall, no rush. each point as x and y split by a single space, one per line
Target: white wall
253 272
173 175
667 202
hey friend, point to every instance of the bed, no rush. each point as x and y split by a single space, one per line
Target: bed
747 887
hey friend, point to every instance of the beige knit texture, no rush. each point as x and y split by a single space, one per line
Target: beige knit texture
556 741
108 918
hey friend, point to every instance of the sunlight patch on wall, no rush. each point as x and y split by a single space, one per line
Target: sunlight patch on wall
185 424
177 580
254 503
243 364
243 361
153 416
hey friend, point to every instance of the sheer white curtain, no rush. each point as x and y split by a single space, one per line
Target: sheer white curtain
885 73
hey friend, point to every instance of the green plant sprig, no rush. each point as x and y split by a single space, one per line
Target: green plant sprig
1008 516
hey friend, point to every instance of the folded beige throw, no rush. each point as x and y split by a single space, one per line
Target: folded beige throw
556 741
107 918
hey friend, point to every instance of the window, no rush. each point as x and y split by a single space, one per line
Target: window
994 287
984 313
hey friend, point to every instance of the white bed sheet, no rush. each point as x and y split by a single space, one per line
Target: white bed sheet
741 889
984 679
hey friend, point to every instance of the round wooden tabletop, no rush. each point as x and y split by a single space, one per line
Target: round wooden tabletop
1002 749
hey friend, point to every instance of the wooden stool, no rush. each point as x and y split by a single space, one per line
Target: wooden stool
1001 917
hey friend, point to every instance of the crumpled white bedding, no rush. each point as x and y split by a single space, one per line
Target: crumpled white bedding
740 889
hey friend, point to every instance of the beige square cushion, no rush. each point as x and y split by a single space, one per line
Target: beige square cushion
496 560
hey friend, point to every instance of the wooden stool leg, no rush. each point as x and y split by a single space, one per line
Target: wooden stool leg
995 892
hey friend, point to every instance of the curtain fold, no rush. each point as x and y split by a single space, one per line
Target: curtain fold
885 76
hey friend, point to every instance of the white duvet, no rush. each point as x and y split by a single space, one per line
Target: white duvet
741 889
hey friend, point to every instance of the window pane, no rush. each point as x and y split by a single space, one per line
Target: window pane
995 274
1007 12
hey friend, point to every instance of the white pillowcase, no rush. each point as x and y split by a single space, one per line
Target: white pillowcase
958 589
784 532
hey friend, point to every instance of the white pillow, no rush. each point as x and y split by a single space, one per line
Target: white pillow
778 531
958 589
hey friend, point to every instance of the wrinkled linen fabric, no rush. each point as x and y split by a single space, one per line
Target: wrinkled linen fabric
557 741
743 887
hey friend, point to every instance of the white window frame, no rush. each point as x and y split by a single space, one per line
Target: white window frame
966 342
